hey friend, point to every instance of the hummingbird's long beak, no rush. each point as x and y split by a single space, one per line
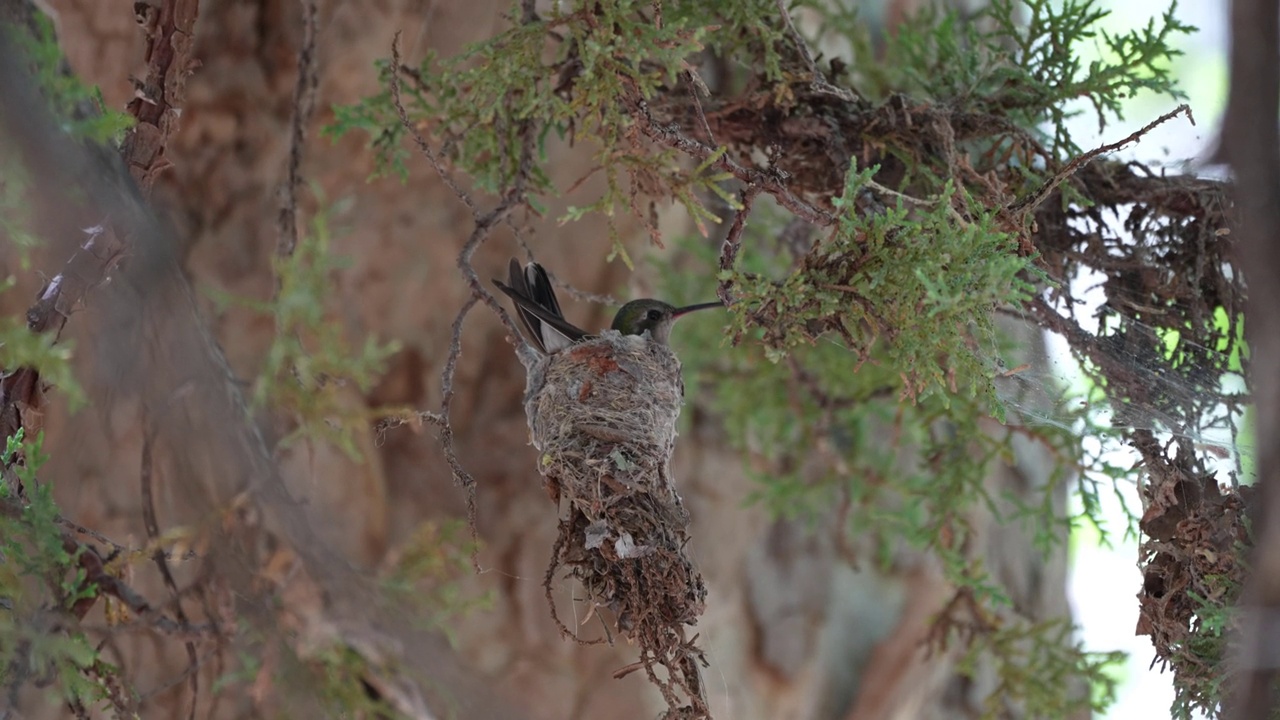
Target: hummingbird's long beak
691 308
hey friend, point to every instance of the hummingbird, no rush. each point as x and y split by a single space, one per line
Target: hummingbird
535 300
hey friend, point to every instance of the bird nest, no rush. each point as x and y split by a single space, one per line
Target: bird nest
602 414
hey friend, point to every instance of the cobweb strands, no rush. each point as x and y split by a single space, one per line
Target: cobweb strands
602 415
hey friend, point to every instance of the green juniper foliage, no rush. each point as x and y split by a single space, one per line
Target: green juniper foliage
20 347
310 358
39 581
426 577
924 279
862 363
1022 61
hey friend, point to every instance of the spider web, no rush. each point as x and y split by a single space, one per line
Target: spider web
1198 408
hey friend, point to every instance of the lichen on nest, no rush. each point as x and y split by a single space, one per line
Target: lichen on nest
602 415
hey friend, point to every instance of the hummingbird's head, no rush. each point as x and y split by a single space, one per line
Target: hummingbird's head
655 316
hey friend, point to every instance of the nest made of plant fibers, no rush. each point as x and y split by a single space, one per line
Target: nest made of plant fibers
603 415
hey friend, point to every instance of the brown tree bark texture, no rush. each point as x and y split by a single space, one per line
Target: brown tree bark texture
792 630
1251 145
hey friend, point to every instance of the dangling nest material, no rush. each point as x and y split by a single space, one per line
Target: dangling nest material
603 416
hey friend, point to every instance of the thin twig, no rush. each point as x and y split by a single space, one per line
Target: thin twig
116 548
393 81
152 526
696 84
1034 200
798 39
304 103
484 223
96 574
733 240
818 82
144 697
415 418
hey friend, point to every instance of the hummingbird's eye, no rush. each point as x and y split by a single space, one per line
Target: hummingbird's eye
653 316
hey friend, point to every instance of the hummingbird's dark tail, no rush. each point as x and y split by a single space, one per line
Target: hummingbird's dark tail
531 292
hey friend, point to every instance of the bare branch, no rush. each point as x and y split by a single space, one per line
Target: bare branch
484 223
304 103
1033 200
773 183
393 81
733 240
695 84
158 555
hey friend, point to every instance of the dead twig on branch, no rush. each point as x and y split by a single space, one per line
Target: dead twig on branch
1032 201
